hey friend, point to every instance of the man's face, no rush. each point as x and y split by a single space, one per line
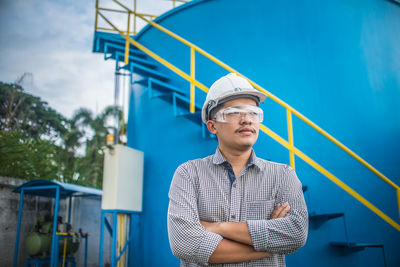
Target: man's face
238 134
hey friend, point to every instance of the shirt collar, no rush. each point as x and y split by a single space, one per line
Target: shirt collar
219 159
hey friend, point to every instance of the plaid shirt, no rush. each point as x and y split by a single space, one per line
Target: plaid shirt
201 190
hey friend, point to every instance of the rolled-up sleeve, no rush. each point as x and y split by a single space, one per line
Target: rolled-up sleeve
283 235
188 239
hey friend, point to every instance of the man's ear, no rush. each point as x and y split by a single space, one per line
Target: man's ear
211 126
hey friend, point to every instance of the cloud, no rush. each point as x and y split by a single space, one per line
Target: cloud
52 39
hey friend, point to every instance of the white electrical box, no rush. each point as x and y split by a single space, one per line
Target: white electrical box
122 179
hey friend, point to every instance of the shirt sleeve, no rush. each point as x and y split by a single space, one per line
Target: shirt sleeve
283 235
188 239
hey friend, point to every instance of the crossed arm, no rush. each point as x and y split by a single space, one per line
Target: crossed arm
237 245
198 241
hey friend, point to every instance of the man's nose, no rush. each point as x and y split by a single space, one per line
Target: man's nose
245 118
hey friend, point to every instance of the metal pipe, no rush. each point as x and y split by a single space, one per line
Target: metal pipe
69 208
21 201
114 239
101 238
86 246
54 242
192 75
290 137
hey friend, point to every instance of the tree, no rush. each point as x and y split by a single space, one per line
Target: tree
36 142
94 131
27 158
28 131
27 114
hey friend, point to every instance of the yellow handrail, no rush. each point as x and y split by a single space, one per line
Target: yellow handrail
289 110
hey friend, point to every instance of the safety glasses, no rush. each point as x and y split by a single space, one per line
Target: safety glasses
238 113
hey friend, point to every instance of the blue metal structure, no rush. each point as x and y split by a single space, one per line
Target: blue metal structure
57 190
336 62
113 230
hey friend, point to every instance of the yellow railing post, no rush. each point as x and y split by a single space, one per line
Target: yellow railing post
398 199
134 17
97 14
346 188
290 137
127 39
192 75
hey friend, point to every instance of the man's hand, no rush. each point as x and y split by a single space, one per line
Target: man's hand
280 211
239 231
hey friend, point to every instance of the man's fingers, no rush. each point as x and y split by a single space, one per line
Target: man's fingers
284 211
280 211
276 211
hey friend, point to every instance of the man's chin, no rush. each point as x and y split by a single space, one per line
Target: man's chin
246 146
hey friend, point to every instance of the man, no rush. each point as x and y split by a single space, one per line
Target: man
233 208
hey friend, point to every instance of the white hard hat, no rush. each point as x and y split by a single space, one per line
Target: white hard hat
227 88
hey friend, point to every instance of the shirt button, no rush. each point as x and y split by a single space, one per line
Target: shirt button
234 185
233 216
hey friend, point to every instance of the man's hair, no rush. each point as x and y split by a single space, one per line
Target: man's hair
215 110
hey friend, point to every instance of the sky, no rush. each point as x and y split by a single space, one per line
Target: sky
52 41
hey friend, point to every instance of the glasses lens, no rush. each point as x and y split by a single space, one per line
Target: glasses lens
237 113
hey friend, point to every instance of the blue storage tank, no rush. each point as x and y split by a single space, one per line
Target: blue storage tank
337 62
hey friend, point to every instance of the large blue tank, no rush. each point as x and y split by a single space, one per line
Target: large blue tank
337 62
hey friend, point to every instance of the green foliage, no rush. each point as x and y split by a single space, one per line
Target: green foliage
27 114
36 142
25 158
83 122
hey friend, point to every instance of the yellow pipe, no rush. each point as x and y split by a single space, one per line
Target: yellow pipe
331 177
192 75
290 137
105 29
122 122
398 199
343 147
118 238
127 40
147 15
64 251
168 65
158 58
125 7
345 187
121 235
274 136
112 10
